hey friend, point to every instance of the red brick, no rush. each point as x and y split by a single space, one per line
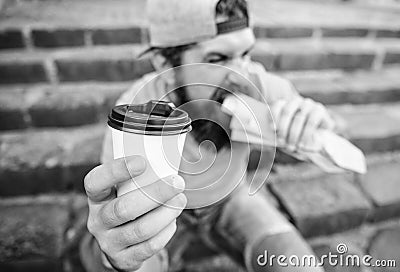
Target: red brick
321 204
344 32
48 160
29 72
66 109
360 87
302 61
358 238
11 39
316 60
260 31
117 36
380 133
339 53
387 33
282 32
392 58
280 13
74 235
63 105
349 61
58 37
33 227
145 36
386 246
33 265
12 119
331 247
381 185
267 59
31 181
82 157
101 69
13 109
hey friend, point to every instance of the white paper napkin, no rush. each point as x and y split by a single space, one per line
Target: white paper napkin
252 123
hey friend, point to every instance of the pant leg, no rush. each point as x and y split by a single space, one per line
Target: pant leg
250 225
179 243
193 226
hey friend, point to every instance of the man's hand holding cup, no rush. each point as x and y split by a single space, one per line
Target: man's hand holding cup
133 227
135 199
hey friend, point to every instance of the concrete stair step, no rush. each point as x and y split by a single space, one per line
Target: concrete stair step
320 203
33 230
116 63
42 160
50 228
36 37
119 63
343 206
43 232
339 87
44 105
67 13
381 131
39 161
332 53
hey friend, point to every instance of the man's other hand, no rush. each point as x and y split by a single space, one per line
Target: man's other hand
297 120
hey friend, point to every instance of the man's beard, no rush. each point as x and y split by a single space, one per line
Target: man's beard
209 122
205 130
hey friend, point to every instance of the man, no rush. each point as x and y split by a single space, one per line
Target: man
131 232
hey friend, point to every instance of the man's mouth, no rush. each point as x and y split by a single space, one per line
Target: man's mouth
206 130
209 123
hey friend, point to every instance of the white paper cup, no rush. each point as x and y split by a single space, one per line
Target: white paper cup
155 130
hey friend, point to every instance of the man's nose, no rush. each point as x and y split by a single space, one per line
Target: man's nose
239 65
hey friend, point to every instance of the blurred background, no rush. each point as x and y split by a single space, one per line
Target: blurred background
63 64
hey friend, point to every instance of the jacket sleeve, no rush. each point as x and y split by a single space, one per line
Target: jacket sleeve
271 86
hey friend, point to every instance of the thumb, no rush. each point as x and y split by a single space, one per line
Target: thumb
327 122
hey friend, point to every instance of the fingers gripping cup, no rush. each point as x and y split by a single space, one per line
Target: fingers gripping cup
155 130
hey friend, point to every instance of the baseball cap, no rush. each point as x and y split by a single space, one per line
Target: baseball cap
179 22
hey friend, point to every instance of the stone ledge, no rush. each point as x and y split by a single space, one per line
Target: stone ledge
65 155
119 63
33 227
322 205
380 133
358 87
35 162
24 106
381 185
64 36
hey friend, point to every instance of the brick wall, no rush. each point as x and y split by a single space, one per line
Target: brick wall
56 66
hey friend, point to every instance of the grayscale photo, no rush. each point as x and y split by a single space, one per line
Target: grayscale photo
200 135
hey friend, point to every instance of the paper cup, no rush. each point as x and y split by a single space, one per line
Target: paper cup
155 130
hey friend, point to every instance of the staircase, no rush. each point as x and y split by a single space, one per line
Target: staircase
64 63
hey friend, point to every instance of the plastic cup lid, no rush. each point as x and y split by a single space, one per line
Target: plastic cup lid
154 118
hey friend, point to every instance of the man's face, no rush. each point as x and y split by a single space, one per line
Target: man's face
229 50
